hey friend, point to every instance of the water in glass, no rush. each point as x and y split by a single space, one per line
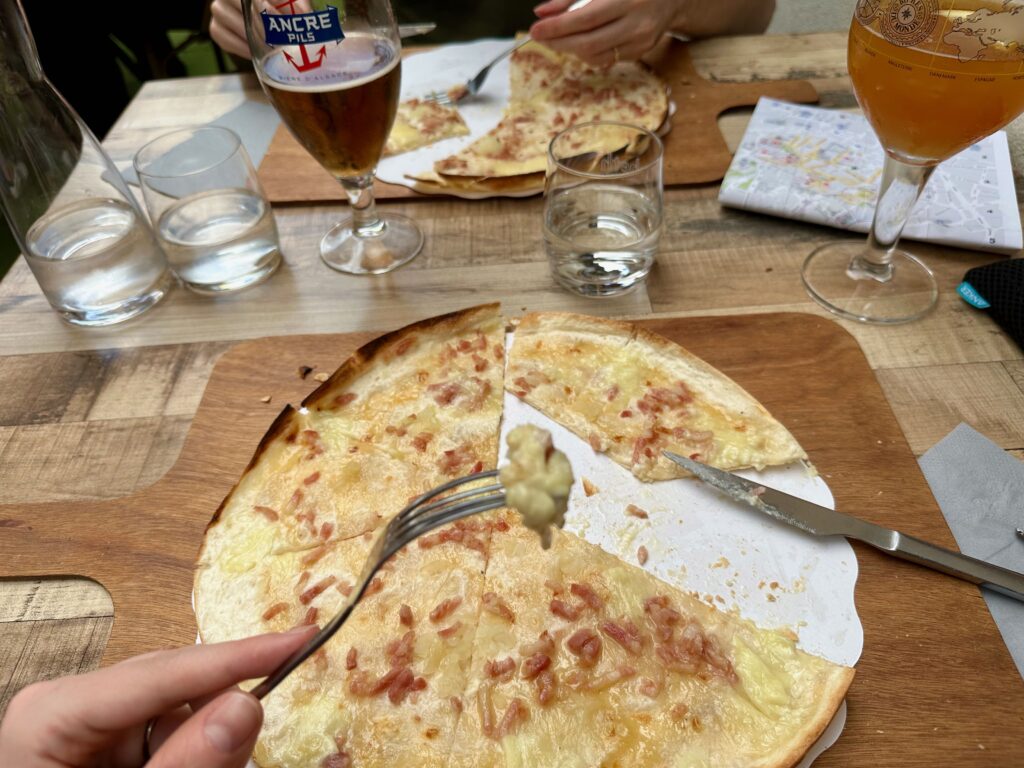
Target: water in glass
96 262
601 238
220 240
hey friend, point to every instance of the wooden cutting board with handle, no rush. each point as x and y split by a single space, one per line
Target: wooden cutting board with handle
695 151
934 685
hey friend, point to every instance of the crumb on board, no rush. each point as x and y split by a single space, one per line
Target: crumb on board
634 511
589 488
774 585
722 562
760 585
304 371
642 555
265 399
321 377
771 597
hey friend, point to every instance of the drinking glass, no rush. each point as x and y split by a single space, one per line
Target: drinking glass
933 77
603 207
208 209
333 73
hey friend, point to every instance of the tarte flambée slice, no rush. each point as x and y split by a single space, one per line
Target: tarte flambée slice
421 122
632 394
589 661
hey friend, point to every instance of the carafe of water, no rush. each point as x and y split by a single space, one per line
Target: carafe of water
82 233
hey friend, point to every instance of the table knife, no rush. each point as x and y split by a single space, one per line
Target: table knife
822 521
411 30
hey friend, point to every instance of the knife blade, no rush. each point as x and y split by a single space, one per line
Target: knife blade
411 30
821 521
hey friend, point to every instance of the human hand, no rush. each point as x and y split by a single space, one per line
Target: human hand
604 32
227 27
100 718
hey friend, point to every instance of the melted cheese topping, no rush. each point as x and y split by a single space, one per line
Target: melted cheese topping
537 480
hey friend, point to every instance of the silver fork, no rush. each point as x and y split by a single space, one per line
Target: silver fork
424 514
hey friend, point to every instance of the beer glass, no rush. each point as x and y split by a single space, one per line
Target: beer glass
333 71
933 77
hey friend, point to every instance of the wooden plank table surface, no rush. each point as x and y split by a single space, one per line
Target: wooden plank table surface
99 414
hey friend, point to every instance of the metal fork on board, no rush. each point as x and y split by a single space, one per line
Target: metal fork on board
423 515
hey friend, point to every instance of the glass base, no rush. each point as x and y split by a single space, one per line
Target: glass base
119 313
236 283
395 242
903 292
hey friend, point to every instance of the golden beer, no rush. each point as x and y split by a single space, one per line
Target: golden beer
935 76
342 110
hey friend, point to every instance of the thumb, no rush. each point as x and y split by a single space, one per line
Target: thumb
220 735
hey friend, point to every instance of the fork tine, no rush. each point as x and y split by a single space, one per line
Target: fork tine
401 536
438 508
441 97
412 514
446 487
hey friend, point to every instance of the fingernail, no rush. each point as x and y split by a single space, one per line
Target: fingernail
234 721
302 629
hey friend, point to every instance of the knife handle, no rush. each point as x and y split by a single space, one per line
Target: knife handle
1002 580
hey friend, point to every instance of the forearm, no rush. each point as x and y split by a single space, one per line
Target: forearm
707 18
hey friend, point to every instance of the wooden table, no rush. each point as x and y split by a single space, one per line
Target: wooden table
99 414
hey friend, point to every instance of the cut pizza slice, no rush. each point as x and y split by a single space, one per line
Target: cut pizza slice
420 122
631 393
583 660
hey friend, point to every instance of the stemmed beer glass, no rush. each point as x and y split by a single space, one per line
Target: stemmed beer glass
333 72
933 77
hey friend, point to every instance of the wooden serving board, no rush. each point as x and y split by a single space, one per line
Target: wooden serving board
932 659
695 151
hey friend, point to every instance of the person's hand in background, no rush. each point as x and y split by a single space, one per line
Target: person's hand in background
100 718
227 27
606 31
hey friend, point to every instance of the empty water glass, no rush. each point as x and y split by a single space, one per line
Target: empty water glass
208 209
603 207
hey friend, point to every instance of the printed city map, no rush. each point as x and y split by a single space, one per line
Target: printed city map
824 167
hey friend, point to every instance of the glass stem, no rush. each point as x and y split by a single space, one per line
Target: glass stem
902 184
365 221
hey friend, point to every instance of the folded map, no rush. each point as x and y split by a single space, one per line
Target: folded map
823 166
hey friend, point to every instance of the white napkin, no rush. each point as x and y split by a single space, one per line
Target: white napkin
979 488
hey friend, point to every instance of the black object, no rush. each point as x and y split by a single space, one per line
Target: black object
999 290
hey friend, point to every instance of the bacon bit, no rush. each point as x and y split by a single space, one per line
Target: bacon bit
693 435
405 615
498 607
642 555
345 588
658 399
303 578
326 530
306 597
267 512
374 587
352 659
589 488
464 345
501 525
313 556
274 610
546 685
485 705
311 616
500 669
642 447
445 394
419 684
650 688
310 438
586 593
338 760
311 479
296 498
452 461
554 586
400 652
611 677
421 441
479 363
534 665
625 414
456 702
612 392
361 684
625 633
679 712
403 346
449 631
400 686
309 518
499 352
634 511
585 644
662 615
445 608
516 714
340 401
597 442
544 644
564 610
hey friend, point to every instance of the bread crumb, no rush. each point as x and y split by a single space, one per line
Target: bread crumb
321 377
722 562
634 511
588 487
265 399
774 585
305 370
641 555
771 597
